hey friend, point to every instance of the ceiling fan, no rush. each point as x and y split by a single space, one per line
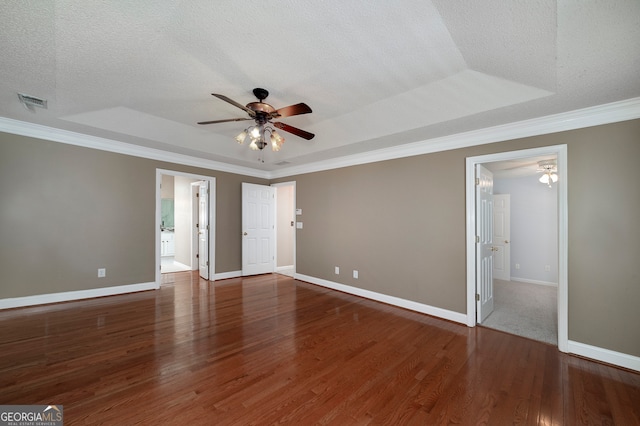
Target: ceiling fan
263 114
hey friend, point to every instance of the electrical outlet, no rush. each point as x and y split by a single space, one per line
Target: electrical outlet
102 272
355 274
337 270
517 266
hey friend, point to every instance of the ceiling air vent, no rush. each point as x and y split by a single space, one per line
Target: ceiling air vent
282 163
31 101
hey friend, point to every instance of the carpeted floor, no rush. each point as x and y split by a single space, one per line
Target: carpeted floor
528 310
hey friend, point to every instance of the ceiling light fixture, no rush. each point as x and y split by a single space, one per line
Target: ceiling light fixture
550 170
258 135
263 114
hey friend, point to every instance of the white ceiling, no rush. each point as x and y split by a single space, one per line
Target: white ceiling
376 74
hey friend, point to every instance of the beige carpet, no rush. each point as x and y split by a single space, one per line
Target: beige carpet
528 310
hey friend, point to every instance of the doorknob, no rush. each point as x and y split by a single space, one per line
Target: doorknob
506 241
244 234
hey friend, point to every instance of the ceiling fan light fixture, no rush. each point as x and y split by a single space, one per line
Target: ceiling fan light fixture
276 141
263 114
241 137
279 138
549 169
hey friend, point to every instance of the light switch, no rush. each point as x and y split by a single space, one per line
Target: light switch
299 225
299 212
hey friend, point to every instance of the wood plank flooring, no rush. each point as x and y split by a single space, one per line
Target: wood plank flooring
269 349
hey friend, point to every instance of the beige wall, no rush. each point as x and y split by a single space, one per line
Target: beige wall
401 224
284 218
66 211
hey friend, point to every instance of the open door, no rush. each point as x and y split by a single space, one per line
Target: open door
484 242
258 229
203 229
502 236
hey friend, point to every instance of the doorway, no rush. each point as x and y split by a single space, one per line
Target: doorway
177 213
286 228
525 256
473 291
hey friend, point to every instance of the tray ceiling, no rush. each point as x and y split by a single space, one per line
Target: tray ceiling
376 75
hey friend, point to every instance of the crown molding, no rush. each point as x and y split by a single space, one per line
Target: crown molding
593 116
72 138
587 117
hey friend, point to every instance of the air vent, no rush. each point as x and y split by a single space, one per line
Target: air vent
282 163
31 101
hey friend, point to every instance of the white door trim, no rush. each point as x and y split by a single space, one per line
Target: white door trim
563 276
212 218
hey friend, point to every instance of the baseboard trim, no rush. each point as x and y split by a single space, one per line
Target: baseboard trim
605 355
391 300
528 281
284 268
227 275
67 296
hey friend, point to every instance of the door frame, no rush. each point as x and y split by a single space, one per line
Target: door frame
295 233
560 151
212 217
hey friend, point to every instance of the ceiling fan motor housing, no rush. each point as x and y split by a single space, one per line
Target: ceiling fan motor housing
260 93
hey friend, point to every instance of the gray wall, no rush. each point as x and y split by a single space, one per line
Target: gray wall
401 224
534 227
66 211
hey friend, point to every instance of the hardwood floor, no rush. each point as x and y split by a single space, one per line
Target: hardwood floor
269 349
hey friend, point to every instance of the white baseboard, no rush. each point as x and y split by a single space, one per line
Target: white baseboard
67 296
605 355
391 300
284 268
525 280
227 275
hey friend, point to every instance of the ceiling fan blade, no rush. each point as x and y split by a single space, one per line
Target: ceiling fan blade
290 110
294 130
251 112
224 121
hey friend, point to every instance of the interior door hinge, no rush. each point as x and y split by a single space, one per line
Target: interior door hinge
197 195
208 265
477 297
198 256
477 181
477 238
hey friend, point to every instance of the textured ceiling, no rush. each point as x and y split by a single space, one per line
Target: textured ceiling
376 74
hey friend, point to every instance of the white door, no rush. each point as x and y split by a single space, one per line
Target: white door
258 229
502 236
484 246
203 229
